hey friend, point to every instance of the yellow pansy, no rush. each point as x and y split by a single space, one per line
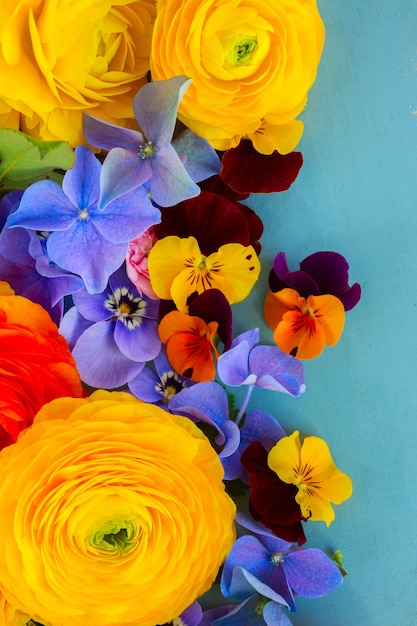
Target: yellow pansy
311 469
178 269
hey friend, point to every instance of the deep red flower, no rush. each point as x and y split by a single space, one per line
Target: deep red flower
247 171
271 501
213 220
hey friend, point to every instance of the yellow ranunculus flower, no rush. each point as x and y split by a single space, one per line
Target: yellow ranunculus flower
58 58
252 63
112 512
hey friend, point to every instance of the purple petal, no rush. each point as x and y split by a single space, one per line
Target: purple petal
198 157
100 362
92 306
206 402
331 272
244 614
81 183
244 582
44 206
233 366
169 183
73 325
126 217
83 251
276 370
311 573
122 171
275 615
156 106
106 136
144 385
138 344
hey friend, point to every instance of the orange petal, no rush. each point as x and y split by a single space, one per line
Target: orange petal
330 314
299 335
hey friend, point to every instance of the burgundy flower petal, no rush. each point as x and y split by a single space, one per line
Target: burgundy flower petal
216 185
212 306
247 171
331 272
271 501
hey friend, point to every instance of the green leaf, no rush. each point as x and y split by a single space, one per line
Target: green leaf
24 160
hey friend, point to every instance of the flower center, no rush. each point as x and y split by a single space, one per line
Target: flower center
277 558
243 50
170 384
126 308
83 214
147 150
115 537
201 272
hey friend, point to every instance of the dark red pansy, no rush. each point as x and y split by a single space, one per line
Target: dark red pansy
271 501
212 306
320 273
213 220
247 171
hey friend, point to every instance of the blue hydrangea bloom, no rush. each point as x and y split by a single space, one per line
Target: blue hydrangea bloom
168 168
84 239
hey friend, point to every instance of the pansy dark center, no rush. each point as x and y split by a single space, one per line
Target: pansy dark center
169 384
201 273
126 308
147 150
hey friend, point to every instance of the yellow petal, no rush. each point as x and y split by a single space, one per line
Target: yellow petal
284 456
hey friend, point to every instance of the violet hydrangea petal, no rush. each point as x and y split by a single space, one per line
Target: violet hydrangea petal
45 207
275 615
106 136
199 158
169 183
276 370
81 183
122 171
244 582
311 573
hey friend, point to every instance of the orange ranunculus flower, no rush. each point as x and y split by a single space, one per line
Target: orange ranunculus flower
9 616
251 62
112 512
36 364
58 58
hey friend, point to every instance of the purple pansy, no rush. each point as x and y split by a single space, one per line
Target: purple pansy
169 169
83 238
112 334
320 273
275 568
158 385
268 367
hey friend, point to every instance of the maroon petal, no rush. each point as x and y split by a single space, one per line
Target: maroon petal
331 272
216 185
247 171
212 306
272 501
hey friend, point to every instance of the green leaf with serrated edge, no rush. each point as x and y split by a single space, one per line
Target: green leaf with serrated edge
24 160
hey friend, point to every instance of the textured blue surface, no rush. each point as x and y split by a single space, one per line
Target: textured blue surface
357 194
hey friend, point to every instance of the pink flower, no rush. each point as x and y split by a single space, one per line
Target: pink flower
137 262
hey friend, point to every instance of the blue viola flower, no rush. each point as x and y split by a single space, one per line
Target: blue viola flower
268 367
168 168
158 385
276 569
87 235
112 334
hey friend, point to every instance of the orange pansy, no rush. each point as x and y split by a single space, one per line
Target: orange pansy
303 326
189 343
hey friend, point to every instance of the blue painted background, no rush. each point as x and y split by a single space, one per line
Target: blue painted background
357 194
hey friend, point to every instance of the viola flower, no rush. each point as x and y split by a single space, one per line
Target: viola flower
268 367
213 220
304 326
88 236
190 345
137 262
320 273
113 333
271 500
178 269
311 469
160 384
275 568
169 169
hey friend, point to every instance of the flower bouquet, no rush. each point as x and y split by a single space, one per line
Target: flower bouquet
135 476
